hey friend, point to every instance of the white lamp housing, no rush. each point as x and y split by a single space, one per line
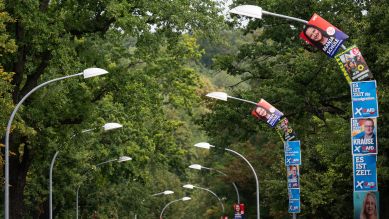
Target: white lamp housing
195 166
168 192
248 10
124 158
186 198
112 125
92 72
218 95
188 186
205 145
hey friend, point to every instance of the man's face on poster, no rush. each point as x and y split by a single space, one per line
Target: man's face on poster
368 127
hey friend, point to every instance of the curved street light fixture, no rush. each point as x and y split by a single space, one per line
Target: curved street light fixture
119 160
167 192
206 145
181 199
190 186
106 127
87 73
199 167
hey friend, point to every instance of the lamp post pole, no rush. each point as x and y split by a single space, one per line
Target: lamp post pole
206 145
120 159
90 72
199 167
164 208
108 126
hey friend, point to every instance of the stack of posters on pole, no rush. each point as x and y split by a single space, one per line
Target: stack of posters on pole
364 147
293 161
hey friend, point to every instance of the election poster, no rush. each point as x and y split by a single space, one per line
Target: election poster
293 176
364 99
284 129
294 194
364 136
353 65
239 211
323 35
292 153
366 205
365 172
294 206
266 112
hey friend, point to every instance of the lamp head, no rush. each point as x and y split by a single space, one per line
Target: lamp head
218 95
186 198
248 10
188 186
205 145
124 158
195 166
92 72
168 192
112 125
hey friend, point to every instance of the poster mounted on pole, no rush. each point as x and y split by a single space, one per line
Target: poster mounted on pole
292 153
353 65
365 172
266 112
294 206
323 35
364 99
293 176
366 205
286 132
364 136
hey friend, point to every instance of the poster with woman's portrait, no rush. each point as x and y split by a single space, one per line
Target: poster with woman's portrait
366 205
266 112
353 65
323 35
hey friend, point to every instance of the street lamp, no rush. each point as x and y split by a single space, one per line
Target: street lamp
167 192
106 127
119 160
87 73
257 12
190 186
199 167
206 145
181 199
223 96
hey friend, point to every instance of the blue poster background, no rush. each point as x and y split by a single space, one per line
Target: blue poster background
359 197
364 99
294 194
365 172
294 206
292 153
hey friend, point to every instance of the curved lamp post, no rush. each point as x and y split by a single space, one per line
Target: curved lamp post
190 186
167 192
199 167
106 127
206 145
87 73
119 160
181 199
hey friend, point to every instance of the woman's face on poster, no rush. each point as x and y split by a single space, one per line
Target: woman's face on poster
314 34
370 205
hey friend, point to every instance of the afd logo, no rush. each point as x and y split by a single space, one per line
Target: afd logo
359 111
368 148
369 184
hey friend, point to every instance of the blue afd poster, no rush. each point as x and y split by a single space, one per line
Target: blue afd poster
294 194
292 153
365 172
364 99
294 206
364 136
366 205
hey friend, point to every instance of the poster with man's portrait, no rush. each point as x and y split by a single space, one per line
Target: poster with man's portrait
366 205
323 35
293 176
266 112
353 65
364 135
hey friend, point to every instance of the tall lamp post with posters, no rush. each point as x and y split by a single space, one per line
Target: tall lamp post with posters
199 167
87 73
119 160
208 146
181 199
106 127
